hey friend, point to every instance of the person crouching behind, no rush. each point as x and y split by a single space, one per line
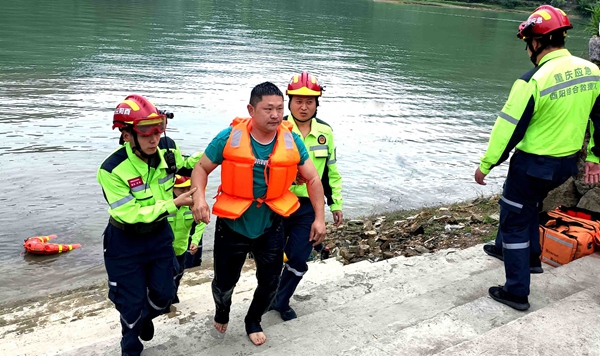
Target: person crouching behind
182 223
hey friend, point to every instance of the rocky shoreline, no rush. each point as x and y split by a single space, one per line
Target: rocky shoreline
414 232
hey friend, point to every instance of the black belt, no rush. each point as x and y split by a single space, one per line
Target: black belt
138 228
550 157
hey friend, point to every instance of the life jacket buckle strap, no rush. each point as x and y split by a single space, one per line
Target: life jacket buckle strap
260 202
219 191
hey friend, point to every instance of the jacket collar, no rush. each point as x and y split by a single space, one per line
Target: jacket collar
313 126
554 54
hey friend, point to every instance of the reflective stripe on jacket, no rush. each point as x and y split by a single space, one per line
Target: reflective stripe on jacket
136 192
547 111
181 222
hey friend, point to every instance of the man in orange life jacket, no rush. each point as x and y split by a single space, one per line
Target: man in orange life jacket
260 158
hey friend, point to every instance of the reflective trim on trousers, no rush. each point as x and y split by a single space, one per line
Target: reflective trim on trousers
510 202
516 246
130 326
294 271
154 305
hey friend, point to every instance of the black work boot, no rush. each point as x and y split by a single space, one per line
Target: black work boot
147 332
493 251
287 314
517 302
535 265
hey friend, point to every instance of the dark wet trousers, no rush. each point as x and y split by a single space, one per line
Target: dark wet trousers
530 178
140 277
230 252
297 249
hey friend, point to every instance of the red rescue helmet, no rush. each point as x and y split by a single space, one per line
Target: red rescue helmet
182 181
544 20
304 84
140 114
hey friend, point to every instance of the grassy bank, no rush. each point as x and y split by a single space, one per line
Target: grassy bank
525 8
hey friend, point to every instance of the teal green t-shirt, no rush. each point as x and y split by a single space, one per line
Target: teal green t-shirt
254 221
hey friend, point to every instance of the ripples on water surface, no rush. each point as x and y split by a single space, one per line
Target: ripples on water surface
411 93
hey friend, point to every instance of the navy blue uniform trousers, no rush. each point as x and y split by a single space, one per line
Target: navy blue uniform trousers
530 179
140 278
184 261
297 249
194 260
179 265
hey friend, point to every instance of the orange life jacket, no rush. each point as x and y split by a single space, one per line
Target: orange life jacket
236 191
39 245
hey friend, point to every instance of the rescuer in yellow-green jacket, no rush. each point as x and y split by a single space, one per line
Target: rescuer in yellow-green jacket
545 119
137 181
187 232
304 92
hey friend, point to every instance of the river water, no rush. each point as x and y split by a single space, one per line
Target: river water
411 92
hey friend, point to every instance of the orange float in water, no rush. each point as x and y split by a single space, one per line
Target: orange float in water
39 245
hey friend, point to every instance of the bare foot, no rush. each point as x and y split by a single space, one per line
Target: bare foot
221 327
258 338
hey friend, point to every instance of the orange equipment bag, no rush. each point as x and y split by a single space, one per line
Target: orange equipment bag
564 237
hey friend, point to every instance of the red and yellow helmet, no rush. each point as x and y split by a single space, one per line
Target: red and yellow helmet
304 84
544 20
140 114
182 181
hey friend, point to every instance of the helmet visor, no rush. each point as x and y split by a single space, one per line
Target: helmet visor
525 30
148 127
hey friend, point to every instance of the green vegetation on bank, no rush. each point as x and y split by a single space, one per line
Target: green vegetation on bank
581 7
592 27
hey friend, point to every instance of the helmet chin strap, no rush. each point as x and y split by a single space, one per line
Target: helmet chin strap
137 149
297 119
535 53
